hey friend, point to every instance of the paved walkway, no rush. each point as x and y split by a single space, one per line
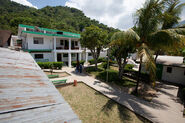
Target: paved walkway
163 109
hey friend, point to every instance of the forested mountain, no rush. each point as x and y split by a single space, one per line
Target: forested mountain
60 17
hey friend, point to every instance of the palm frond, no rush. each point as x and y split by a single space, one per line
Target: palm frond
148 60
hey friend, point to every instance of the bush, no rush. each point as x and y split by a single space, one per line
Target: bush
74 63
128 67
50 65
57 65
112 75
92 61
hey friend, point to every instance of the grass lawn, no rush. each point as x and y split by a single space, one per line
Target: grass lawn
93 107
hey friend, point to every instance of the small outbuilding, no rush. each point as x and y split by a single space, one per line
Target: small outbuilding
171 69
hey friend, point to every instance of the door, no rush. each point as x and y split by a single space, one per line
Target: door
72 45
59 57
66 44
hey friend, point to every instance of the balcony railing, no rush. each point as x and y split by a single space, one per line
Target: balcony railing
62 48
75 48
67 48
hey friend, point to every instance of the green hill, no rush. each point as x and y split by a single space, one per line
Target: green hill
60 17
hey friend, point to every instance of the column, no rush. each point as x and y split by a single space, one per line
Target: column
55 56
69 59
70 44
54 44
80 56
79 45
86 57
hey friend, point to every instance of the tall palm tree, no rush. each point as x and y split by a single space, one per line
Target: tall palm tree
148 23
121 44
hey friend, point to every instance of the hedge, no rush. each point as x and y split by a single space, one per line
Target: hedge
92 61
49 65
74 63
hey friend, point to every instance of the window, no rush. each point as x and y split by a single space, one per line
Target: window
39 56
73 55
65 55
76 43
89 54
61 42
37 40
169 69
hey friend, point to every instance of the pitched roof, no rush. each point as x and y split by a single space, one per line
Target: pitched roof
26 94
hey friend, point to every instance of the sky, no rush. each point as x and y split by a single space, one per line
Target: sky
114 13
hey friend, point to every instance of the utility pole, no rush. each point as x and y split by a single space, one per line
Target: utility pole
107 65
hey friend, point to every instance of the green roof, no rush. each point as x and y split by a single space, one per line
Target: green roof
65 34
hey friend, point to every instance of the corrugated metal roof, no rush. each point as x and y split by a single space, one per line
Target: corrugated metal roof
26 94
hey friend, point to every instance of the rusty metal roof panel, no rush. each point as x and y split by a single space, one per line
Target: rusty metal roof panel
25 89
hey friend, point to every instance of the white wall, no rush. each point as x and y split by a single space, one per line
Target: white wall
176 76
48 42
48 56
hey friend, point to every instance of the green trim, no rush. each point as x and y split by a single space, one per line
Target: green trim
53 76
65 34
37 50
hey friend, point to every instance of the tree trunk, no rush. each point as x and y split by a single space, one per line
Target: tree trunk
96 66
157 54
120 72
138 77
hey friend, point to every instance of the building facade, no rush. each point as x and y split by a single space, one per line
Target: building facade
53 45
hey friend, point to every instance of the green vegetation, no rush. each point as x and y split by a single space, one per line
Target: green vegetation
101 74
148 22
50 65
95 39
121 44
93 107
92 61
74 63
60 18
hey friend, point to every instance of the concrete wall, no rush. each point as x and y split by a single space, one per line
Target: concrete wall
48 42
176 76
48 56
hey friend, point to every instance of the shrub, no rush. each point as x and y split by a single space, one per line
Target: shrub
49 65
57 65
112 75
92 61
104 64
74 63
128 67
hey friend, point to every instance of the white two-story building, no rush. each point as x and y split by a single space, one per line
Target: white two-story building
53 45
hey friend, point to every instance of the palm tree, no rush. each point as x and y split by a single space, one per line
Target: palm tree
171 14
170 17
148 22
121 44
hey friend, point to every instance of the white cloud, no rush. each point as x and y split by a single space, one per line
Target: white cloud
114 13
25 2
